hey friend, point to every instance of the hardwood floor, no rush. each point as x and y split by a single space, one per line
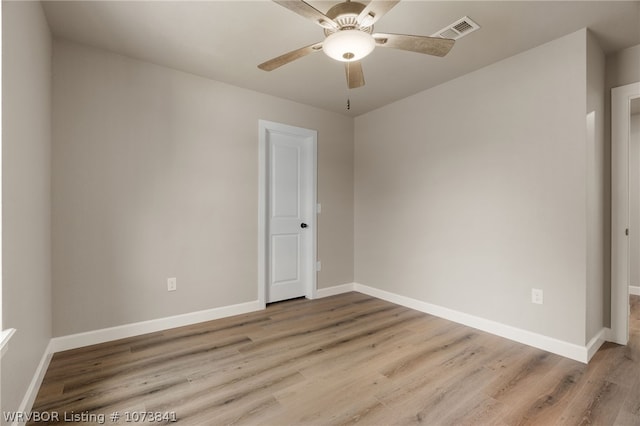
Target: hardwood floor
342 360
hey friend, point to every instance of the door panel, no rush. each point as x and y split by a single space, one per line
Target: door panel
290 203
285 172
285 259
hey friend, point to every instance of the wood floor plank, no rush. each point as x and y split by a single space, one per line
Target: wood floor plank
307 402
480 410
346 359
438 389
630 411
599 403
546 402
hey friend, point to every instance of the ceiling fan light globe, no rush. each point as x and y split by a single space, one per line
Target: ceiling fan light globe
348 45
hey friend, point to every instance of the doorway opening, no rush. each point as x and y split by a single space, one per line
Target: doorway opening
622 223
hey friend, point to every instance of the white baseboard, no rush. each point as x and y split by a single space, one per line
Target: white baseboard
32 391
597 341
634 289
332 291
549 344
129 330
5 336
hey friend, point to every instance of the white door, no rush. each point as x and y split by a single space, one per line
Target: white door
290 211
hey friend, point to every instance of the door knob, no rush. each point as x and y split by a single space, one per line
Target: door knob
303 225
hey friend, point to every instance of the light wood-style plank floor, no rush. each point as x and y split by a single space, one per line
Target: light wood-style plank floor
341 360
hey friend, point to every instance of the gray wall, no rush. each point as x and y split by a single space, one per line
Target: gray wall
26 194
155 175
472 193
598 206
623 67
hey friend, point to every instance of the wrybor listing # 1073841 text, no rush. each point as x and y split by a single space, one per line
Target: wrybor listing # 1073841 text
91 418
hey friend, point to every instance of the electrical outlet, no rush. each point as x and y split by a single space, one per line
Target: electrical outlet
318 266
319 208
172 284
536 296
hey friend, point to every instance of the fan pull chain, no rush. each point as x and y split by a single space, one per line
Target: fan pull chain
348 79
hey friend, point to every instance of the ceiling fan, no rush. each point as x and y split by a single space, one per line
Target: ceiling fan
348 28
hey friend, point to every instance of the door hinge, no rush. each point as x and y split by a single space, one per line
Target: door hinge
626 231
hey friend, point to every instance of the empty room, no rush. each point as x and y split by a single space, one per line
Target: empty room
320 212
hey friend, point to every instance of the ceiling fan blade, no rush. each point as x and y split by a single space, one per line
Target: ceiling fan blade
355 77
430 45
281 60
374 11
307 11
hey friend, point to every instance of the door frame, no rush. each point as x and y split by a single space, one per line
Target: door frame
264 128
620 137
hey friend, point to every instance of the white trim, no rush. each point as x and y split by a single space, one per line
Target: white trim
634 289
32 391
264 126
550 344
262 213
135 329
332 291
5 335
313 220
597 341
1 174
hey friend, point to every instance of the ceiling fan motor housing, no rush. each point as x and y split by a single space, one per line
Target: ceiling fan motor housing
346 16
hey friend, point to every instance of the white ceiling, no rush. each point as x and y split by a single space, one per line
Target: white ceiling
226 40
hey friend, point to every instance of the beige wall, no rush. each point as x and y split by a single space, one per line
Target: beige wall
598 205
470 194
155 175
26 195
623 67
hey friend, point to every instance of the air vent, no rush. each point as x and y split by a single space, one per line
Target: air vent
458 29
